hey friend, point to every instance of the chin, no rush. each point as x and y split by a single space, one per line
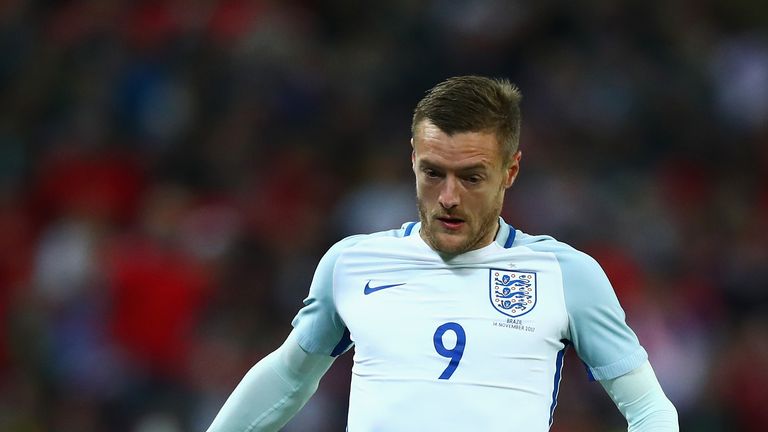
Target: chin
451 247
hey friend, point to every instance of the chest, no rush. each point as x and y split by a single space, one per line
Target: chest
432 318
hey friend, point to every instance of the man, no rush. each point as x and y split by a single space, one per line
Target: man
459 322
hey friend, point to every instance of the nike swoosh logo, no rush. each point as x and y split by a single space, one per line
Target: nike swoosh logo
369 289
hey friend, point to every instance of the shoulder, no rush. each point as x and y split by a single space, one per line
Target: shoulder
567 255
581 274
347 243
596 321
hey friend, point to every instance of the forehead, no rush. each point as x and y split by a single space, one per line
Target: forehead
433 146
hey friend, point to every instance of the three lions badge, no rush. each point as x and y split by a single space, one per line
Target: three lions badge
512 293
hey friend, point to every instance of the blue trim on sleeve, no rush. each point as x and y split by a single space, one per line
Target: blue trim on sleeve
510 237
558 376
409 228
343 344
589 371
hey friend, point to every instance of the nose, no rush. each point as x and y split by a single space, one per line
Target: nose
449 193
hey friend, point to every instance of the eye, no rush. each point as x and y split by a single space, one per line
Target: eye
430 173
473 179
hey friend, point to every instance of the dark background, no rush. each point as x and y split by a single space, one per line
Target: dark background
171 171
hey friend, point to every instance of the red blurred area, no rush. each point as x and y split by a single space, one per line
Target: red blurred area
158 295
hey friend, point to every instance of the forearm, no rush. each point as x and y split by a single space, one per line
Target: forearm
641 400
273 391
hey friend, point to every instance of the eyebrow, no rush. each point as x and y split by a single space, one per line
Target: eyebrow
424 163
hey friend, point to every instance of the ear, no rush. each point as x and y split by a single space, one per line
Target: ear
413 155
513 169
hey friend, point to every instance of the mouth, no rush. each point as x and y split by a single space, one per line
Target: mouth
451 223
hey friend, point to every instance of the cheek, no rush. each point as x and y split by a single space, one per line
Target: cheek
423 190
487 200
419 189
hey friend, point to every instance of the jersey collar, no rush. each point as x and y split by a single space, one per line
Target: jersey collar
505 236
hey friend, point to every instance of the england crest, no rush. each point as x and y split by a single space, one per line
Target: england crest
512 293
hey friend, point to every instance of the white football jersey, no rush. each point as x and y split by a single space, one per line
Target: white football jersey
475 342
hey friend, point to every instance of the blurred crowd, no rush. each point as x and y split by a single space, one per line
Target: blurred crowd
172 170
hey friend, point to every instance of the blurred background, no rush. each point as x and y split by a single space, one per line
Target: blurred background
172 170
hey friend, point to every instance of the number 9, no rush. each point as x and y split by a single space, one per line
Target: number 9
456 352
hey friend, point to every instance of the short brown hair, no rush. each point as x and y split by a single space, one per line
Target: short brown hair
474 104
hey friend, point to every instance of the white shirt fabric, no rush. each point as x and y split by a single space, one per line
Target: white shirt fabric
471 343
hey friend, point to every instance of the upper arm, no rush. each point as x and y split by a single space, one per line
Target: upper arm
597 327
318 328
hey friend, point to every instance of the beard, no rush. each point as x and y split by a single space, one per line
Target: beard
475 231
